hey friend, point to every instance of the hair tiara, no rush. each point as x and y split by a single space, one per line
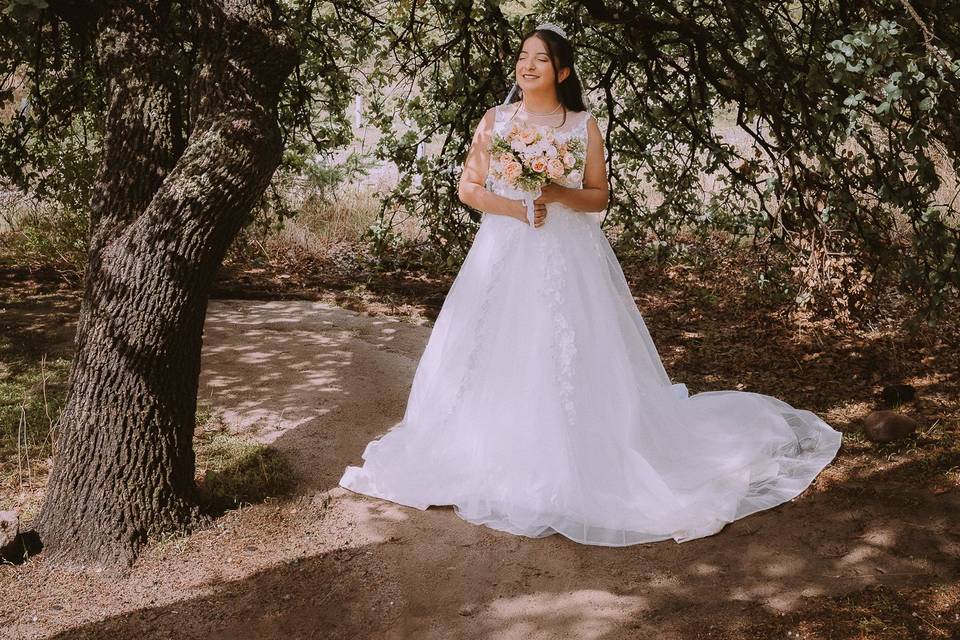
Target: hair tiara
549 26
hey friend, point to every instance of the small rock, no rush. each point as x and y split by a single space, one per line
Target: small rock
887 426
894 394
9 527
468 610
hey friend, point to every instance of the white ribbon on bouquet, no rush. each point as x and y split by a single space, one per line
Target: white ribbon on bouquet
528 199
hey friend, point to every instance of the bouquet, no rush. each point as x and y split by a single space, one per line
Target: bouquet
527 158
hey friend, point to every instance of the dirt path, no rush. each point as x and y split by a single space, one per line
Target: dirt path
318 382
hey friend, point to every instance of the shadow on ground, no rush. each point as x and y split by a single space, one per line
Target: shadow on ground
318 383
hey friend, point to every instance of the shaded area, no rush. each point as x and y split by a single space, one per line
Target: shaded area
24 546
234 471
875 538
430 575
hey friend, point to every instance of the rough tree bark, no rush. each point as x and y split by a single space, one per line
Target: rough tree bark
165 211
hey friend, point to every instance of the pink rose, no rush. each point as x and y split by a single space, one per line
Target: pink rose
574 176
512 170
554 168
569 160
539 164
506 158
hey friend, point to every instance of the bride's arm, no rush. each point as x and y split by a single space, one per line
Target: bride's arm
472 189
593 196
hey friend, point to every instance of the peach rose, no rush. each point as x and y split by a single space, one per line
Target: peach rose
539 164
554 168
527 136
512 170
506 158
569 160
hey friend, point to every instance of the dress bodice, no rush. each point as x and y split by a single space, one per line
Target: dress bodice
508 115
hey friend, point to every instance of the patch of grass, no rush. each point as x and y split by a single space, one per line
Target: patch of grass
32 395
933 451
233 470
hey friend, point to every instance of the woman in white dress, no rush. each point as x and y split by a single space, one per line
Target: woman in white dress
540 404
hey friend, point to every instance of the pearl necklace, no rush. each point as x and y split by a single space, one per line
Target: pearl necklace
534 113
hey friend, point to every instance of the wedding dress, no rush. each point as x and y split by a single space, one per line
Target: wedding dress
540 404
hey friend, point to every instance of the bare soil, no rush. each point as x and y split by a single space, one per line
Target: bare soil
870 551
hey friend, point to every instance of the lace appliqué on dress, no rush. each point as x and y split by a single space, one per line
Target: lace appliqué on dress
495 280
564 345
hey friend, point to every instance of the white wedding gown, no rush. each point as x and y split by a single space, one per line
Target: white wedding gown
540 404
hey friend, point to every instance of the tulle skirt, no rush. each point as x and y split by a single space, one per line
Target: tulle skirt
540 405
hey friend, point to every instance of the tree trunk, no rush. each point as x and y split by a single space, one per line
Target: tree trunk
163 217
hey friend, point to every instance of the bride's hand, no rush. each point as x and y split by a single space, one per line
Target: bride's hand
550 192
539 213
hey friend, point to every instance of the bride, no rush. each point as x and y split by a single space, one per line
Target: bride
540 404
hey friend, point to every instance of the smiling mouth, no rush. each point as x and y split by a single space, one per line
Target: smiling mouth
529 77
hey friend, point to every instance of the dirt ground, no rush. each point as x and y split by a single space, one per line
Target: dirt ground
870 550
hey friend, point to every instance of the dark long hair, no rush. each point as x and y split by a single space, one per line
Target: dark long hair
570 91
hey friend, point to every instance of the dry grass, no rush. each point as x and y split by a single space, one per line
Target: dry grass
323 222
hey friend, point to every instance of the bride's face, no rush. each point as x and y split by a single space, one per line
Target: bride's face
534 70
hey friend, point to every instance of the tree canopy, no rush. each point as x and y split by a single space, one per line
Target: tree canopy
847 111
847 132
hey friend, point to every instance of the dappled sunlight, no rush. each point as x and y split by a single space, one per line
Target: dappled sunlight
582 614
507 586
781 567
842 409
880 536
319 389
315 380
372 518
290 366
754 592
704 569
